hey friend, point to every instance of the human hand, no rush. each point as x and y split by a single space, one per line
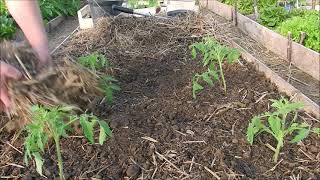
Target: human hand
7 72
44 56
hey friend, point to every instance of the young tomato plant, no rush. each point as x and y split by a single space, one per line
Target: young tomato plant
53 122
279 124
109 86
94 61
214 56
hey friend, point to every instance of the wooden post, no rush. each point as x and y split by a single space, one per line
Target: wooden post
207 3
289 53
302 37
255 6
313 4
235 15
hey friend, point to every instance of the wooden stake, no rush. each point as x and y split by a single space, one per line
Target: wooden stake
302 37
255 6
235 15
289 52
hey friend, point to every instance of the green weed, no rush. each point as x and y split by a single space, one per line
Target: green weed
54 122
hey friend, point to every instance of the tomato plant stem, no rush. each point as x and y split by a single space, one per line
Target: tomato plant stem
60 165
276 154
222 77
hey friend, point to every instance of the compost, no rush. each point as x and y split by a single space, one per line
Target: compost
159 130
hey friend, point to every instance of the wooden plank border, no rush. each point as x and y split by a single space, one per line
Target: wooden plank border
52 24
303 58
282 85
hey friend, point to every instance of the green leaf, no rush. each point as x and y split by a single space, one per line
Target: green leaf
193 53
302 133
87 127
254 127
316 130
233 55
39 162
195 88
205 76
275 125
104 131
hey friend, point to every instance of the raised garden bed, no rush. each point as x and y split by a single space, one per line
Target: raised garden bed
159 130
304 58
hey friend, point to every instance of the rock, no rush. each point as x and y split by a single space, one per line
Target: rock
133 170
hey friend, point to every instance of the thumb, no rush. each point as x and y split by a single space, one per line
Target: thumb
4 97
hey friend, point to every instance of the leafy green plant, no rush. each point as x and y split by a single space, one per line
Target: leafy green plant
272 16
280 124
93 61
7 25
54 122
316 131
246 6
53 8
309 23
214 55
137 4
109 86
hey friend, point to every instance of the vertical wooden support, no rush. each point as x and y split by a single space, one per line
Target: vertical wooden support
207 3
289 54
302 37
235 15
255 6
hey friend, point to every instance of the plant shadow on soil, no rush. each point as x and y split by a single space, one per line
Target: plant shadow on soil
152 62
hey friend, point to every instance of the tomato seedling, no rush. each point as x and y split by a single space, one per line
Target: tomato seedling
279 124
94 61
109 86
54 122
214 55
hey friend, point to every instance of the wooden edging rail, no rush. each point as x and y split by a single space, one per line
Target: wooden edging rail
282 85
303 58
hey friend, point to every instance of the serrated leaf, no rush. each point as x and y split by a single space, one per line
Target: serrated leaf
104 131
205 76
233 55
39 162
254 127
302 133
316 130
275 125
87 127
193 53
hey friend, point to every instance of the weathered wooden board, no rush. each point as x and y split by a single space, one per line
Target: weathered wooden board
282 85
220 9
303 58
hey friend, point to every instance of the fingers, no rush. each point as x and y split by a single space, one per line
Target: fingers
9 71
4 97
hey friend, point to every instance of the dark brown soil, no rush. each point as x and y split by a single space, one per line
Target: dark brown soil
159 130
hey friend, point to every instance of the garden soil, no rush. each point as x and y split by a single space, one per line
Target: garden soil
159 130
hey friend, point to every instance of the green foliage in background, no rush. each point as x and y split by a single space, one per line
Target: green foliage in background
246 6
272 16
138 4
53 8
7 25
309 23
49 10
